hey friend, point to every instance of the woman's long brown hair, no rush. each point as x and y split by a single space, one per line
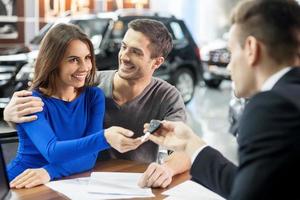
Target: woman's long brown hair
52 50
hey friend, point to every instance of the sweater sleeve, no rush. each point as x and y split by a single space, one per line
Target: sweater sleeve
173 105
55 151
95 123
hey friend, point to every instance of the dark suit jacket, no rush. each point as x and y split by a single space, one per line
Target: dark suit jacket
269 148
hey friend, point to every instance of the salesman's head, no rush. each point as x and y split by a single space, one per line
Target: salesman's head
264 37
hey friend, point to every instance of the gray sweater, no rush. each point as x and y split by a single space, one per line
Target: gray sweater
159 100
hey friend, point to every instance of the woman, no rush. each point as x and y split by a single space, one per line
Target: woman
68 133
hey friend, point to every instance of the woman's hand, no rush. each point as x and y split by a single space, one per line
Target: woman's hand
30 178
121 139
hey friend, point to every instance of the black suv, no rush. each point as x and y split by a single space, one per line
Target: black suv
215 58
182 68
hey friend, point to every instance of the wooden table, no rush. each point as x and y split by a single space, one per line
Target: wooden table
43 192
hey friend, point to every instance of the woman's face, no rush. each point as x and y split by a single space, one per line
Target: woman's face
75 65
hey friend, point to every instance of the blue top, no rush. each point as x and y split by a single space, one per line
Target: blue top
66 137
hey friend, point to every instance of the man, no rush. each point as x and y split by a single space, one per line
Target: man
133 97
265 50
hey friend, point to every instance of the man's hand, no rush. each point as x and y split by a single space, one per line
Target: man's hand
176 136
161 175
119 139
30 178
156 175
21 105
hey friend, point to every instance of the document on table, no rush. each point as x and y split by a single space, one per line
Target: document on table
189 190
109 187
117 183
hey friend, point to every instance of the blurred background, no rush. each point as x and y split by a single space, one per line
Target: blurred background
206 19
196 66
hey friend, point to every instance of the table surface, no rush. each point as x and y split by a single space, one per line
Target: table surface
43 192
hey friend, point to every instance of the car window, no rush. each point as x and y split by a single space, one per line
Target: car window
179 39
37 39
118 30
94 28
116 36
177 31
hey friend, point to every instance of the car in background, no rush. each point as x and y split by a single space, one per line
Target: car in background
236 109
215 58
182 68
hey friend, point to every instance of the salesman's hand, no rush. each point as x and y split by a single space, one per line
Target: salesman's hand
30 178
176 136
156 175
120 139
21 105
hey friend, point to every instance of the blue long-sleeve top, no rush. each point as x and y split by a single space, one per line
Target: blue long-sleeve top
66 137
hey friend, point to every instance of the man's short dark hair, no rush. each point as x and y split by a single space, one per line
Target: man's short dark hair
159 36
276 23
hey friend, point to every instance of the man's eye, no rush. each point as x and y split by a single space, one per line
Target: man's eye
137 52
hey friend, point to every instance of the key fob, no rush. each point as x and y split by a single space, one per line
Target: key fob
154 126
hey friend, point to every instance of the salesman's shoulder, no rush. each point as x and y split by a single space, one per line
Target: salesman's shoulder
268 112
272 100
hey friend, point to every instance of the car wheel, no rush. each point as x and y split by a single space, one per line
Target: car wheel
212 83
184 81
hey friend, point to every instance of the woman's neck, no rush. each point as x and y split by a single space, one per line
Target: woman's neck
67 94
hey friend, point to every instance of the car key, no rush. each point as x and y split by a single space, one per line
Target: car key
153 126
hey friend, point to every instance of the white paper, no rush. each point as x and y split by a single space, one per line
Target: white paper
189 190
117 183
77 189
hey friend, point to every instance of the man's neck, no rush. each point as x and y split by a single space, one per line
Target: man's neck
265 75
127 90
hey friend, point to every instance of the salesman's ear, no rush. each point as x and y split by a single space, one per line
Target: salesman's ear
252 50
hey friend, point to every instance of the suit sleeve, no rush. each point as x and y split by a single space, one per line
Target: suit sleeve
212 170
55 151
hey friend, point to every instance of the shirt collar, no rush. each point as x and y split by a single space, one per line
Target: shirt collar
272 80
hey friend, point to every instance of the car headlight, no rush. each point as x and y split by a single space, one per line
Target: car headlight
26 73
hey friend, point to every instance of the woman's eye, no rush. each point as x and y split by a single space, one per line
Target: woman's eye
73 60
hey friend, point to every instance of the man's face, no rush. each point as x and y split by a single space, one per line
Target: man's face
135 60
241 72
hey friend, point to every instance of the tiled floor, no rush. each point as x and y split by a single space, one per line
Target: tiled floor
208 116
